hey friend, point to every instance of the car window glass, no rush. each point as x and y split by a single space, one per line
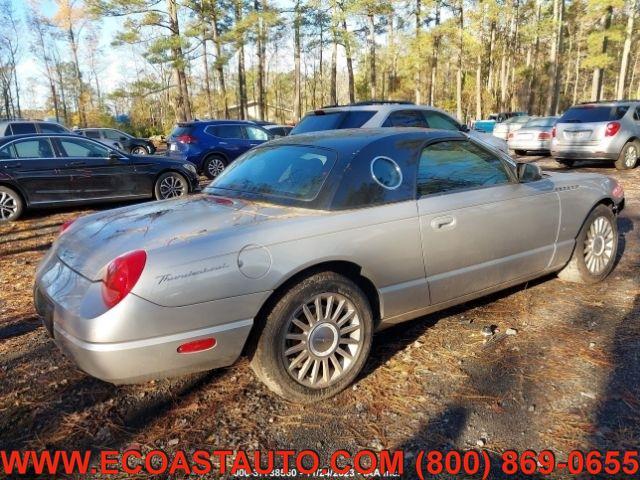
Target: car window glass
82 148
457 165
386 172
35 148
591 113
20 128
405 118
92 133
254 133
437 120
6 152
52 128
112 134
227 131
636 114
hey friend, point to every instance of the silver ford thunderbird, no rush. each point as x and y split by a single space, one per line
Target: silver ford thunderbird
306 246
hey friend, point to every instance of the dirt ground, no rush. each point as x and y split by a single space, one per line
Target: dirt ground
569 378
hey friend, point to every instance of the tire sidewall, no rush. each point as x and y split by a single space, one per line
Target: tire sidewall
271 342
621 163
19 204
587 276
156 187
209 159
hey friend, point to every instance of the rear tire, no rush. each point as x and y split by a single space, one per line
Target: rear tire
628 158
170 185
139 150
522 153
11 205
565 163
300 354
214 166
596 246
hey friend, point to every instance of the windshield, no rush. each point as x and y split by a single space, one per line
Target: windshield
593 113
321 120
520 119
289 171
541 122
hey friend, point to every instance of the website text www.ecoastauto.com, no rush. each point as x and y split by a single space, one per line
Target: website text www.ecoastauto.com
341 463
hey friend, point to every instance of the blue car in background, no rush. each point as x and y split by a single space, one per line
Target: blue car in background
211 145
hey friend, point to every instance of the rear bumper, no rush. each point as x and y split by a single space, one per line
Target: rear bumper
141 360
584 152
530 145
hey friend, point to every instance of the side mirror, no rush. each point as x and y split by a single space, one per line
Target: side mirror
464 128
528 172
114 157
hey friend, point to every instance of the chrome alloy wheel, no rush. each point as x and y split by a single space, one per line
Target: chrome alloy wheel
598 246
172 186
8 206
323 340
215 166
631 156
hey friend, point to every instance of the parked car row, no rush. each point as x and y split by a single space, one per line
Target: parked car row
595 131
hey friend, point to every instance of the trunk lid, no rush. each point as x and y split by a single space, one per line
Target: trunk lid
94 241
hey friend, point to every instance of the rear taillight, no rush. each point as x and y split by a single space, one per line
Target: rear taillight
553 132
121 276
611 129
66 225
186 138
544 136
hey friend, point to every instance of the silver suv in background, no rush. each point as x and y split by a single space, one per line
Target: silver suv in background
599 131
377 113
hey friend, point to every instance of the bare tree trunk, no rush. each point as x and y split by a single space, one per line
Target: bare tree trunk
297 90
418 66
260 44
576 79
598 72
333 92
205 66
183 105
553 92
626 50
459 75
219 65
242 82
534 63
372 56
434 58
347 51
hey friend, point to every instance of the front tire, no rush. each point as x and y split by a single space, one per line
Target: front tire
628 158
521 153
213 166
139 150
315 340
11 205
170 185
596 246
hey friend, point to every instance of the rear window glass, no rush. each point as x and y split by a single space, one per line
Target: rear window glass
20 128
181 130
291 171
226 131
314 122
592 113
52 128
541 122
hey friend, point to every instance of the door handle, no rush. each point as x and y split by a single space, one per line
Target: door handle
76 164
12 165
443 223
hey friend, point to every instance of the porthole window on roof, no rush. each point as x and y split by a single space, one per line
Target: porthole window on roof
386 172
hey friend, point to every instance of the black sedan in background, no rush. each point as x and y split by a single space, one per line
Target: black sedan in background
131 144
43 170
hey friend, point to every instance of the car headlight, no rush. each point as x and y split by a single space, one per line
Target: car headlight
191 167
